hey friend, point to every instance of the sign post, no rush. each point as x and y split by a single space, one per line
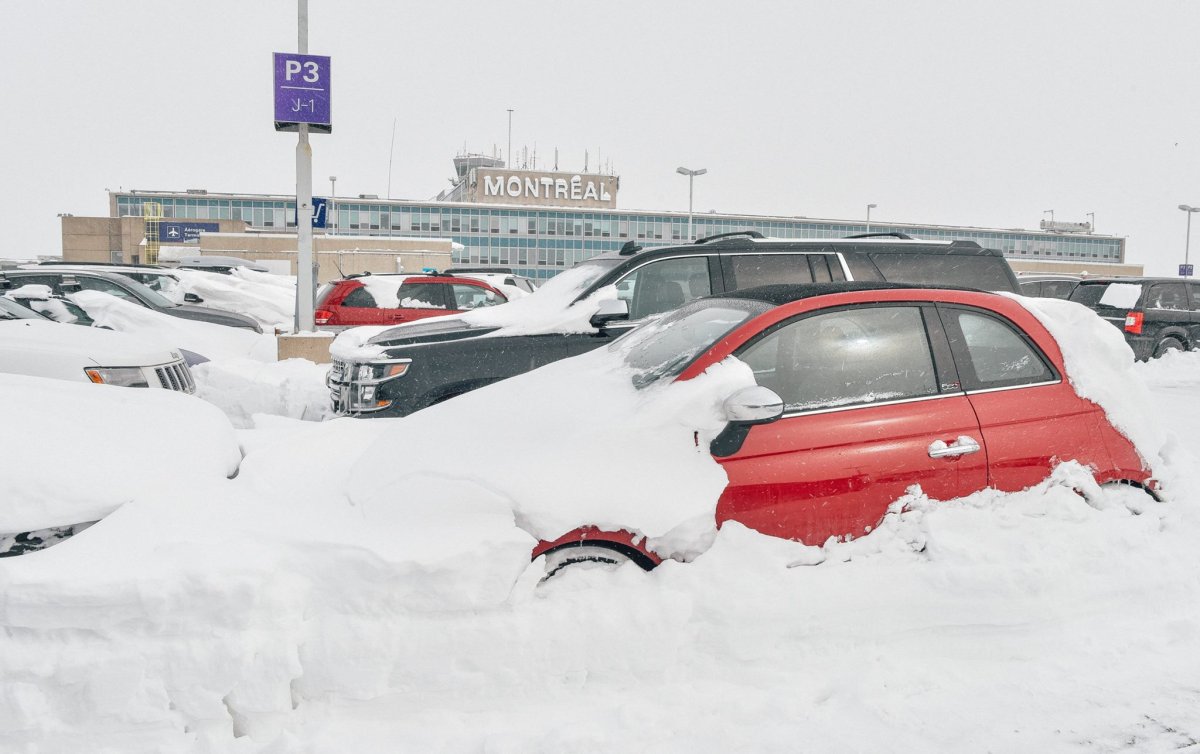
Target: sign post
303 102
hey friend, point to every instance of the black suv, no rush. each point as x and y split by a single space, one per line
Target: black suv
1156 314
410 367
63 281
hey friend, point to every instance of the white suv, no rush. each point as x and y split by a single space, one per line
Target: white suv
33 345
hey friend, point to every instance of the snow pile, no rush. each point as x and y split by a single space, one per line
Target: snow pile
268 299
207 339
658 436
292 388
549 309
1100 367
75 452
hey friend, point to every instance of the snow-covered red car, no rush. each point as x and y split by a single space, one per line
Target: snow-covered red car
865 391
808 409
387 299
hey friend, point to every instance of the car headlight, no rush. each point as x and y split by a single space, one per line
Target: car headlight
378 371
122 376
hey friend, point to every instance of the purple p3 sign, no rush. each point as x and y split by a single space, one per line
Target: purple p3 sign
302 92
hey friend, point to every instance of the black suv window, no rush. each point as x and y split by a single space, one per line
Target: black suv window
991 353
847 357
751 270
664 285
1058 288
965 270
1170 296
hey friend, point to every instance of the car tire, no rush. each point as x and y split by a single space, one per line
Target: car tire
583 556
1135 497
1168 344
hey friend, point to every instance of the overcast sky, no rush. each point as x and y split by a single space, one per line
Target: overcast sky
960 113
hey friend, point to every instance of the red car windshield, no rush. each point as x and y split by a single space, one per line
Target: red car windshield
664 347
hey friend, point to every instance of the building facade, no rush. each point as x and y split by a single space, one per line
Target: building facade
484 214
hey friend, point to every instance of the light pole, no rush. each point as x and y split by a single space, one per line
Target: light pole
869 208
691 174
332 209
1188 244
1092 218
508 160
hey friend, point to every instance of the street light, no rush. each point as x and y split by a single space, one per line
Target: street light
691 174
1187 244
331 220
1092 219
869 208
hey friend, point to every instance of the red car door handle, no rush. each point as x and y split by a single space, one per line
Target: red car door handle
960 447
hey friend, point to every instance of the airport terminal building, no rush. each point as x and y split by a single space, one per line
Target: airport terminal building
536 222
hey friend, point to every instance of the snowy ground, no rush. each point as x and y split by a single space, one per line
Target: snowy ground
273 612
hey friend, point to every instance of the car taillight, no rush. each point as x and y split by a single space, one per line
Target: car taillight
1133 322
322 316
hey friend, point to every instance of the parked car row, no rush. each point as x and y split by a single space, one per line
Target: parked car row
427 363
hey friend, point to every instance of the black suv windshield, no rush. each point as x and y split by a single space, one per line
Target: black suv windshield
664 347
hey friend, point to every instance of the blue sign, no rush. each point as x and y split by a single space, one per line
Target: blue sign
1185 270
173 232
320 205
302 92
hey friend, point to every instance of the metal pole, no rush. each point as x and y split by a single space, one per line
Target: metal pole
508 154
1187 246
691 177
868 218
391 153
305 267
331 221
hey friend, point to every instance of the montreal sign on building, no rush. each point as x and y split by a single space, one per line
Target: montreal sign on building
542 188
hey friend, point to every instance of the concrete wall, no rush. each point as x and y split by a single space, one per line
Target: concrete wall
1094 269
335 255
93 239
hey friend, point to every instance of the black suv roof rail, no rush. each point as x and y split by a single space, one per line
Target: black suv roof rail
901 236
100 264
730 234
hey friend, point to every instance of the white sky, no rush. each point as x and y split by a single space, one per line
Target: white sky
964 113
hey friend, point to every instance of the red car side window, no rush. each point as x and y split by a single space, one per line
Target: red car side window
846 357
992 353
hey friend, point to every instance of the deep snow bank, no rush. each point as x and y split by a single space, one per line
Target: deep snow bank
293 388
585 447
75 452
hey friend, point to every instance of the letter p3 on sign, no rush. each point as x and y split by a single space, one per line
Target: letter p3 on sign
303 92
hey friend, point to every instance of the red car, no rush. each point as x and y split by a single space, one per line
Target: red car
863 391
394 299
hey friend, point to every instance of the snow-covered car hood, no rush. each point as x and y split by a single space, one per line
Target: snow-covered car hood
123 445
93 346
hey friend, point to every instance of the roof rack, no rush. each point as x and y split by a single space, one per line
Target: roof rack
731 234
629 248
497 270
901 236
99 264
